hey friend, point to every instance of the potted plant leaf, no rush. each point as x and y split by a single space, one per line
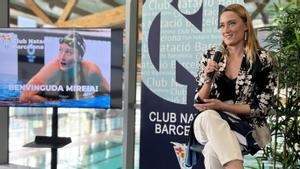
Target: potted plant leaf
284 45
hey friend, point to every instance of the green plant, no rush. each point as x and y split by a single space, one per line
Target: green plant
284 44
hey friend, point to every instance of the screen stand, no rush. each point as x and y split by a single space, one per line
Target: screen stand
54 142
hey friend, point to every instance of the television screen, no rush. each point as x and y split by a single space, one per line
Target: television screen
61 67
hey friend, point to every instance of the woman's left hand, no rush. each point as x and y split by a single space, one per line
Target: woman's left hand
214 104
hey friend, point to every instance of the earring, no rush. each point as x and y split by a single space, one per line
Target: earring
245 35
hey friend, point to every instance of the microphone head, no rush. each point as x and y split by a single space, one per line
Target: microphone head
218 53
217 57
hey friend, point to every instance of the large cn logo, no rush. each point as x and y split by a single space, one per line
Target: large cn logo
175 35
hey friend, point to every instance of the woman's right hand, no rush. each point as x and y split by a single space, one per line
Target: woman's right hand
211 66
31 97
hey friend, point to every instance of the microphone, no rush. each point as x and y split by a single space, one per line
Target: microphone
217 58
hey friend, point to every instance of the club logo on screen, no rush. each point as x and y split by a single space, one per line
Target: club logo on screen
30 53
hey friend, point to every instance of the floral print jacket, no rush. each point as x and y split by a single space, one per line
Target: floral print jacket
254 85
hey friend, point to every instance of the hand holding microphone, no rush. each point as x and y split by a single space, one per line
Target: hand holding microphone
212 65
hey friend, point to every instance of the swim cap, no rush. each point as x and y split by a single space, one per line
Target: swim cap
74 40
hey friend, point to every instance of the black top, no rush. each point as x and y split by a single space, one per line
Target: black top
226 88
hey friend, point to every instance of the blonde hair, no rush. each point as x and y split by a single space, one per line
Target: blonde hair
251 43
